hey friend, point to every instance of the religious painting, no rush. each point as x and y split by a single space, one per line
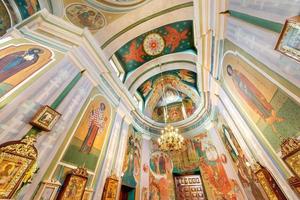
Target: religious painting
27 7
17 163
18 62
186 160
171 38
219 181
171 96
45 118
90 134
270 109
132 161
5 20
12 12
111 188
74 185
240 162
289 39
161 184
83 16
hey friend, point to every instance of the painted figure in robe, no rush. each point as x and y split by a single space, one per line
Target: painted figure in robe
254 98
15 62
97 122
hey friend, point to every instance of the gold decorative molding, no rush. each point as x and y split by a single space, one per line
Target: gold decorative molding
289 146
25 147
80 171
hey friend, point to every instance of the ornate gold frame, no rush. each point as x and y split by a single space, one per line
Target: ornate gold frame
290 150
268 183
291 23
39 119
17 165
74 185
111 188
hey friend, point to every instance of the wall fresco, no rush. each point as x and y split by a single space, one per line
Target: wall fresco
18 62
269 108
240 163
132 161
27 7
5 20
90 135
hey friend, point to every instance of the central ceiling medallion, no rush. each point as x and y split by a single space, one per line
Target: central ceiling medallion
153 44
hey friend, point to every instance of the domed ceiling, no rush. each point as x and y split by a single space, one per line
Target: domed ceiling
171 96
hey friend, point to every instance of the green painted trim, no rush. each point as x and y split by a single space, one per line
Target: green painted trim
35 131
66 91
144 72
177 7
267 24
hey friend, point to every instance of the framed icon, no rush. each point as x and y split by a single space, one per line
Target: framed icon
45 118
289 39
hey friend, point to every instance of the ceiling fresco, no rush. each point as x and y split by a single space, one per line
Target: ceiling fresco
171 38
172 94
83 16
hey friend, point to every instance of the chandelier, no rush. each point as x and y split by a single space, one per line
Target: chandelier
170 139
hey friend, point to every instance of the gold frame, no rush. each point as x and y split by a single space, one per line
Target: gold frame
42 124
268 183
290 150
293 22
77 180
17 165
111 188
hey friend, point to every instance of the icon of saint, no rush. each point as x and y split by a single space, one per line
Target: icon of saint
15 62
96 124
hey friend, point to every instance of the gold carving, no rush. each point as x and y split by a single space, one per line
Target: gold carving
74 185
265 184
289 145
290 149
111 188
17 165
23 148
256 167
80 171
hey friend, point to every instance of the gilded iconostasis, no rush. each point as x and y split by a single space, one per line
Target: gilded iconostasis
86 86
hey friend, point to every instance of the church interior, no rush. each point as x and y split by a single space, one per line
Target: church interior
150 99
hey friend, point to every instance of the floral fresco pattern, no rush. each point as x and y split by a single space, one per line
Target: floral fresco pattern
177 36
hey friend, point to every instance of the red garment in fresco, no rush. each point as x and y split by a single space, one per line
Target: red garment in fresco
96 125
